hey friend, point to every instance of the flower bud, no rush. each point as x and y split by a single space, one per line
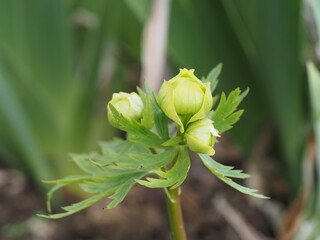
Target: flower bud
129 105
201 136
185 96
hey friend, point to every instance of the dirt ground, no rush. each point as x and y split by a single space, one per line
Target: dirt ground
212 210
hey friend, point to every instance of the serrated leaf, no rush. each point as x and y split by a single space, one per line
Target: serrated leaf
118 154
213 76
84 161
76 207
120 194
172 178
138 133
224 172
227 171
224 116
110 182
154 161
115 186
228 123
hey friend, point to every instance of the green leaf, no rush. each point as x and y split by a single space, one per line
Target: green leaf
222 169
120 194
77 206
74 179
110 183
154 161
50 194
84 162
172 178
138 133
147 119
173 141
115 186
225 116
224 172
160 119
118 154
213 76
108 175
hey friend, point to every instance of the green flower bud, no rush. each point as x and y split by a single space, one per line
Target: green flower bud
129 105
201 136
185 95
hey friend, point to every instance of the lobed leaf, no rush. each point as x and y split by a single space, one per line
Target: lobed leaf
76 207
138 133
116 187
225 116
154 161
224 172
172 178
84 162
118 154
213 76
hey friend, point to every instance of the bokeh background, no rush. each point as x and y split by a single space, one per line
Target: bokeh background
61 60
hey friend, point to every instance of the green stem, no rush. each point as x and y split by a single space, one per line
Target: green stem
175 213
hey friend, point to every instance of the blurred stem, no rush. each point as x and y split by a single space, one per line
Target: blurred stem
175 213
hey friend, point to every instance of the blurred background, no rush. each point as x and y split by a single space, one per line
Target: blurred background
60 62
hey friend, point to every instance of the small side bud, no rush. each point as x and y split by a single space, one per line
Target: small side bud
129 105
201 136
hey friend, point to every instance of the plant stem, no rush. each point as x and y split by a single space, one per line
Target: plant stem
175 213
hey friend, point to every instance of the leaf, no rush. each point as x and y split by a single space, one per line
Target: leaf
173 141
139 134
225 116
118 154
110 183
224 172
147 119
116 186
160 119
213 76
120 194
172 178
74 179
154 161
76 207
84 161
50 194
222 169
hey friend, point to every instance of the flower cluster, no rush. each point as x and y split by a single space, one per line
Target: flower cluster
185 100
155 153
